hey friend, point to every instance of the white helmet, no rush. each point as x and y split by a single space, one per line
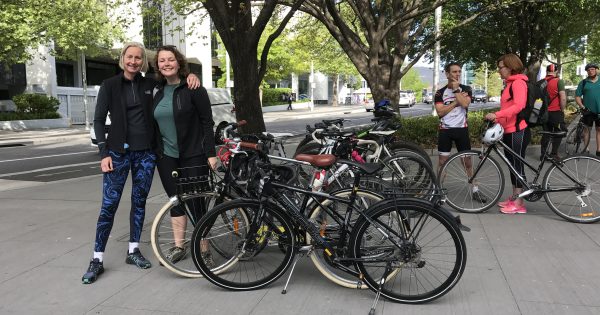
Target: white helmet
492 134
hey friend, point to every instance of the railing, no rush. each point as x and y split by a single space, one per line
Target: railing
71 103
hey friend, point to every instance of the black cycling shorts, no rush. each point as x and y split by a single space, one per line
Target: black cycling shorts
589 118
460 136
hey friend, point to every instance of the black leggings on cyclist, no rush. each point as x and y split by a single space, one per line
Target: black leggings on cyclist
518 142
166 165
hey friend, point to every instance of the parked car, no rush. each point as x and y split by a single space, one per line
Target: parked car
407 98
479 96
427 97
222 110
302 97
369 104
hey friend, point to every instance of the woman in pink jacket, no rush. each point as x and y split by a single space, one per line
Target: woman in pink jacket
517 137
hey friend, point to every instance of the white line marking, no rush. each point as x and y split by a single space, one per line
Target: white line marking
52 174
48 169
47 156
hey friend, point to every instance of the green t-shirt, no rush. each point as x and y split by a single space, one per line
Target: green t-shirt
590 94
166 122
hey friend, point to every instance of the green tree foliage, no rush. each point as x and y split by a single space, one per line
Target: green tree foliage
70 25
532 29
494 83
412 81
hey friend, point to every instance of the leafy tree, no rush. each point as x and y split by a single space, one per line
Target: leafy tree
494 83
533 30
69 26
241 24
378 36
412 81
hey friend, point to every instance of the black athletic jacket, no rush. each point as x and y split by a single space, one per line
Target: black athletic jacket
112 99
193 121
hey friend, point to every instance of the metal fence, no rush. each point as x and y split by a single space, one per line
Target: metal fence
71 103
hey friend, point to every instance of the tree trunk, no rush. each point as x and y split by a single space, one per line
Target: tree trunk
246 91
334 101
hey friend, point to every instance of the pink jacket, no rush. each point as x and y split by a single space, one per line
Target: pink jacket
509 108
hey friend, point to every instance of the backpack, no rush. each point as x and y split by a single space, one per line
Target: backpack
535 112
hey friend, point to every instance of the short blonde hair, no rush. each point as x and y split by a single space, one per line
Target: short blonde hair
144 57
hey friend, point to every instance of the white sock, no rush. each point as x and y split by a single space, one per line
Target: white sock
133 246
98 255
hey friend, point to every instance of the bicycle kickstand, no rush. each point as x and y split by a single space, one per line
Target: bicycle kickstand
388 270
302 251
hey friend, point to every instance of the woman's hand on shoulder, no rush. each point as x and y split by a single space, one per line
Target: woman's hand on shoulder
193 81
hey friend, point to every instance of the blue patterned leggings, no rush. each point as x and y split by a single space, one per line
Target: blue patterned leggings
142 165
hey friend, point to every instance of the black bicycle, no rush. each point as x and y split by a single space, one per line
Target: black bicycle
406 249
575 141
571 186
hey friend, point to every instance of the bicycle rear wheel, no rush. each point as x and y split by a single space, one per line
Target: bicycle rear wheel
163 240
460 194
253 260
581 204
330 222
410 174
574 143
429 260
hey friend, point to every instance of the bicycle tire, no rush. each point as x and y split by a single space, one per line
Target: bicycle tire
161 237
574 142
403 145
453 180
428 263
231 278
411 175
570 204
330 228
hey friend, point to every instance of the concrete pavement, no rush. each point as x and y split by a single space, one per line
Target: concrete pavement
517 264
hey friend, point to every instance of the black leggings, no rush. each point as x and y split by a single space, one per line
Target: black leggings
518 142
166 165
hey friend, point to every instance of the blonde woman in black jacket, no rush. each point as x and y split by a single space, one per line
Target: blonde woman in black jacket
185 137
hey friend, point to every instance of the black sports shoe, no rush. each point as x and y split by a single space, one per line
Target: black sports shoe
95 269
176 254
479 196
136 258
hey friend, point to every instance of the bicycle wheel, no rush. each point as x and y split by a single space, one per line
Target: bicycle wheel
579 204
249 265
574 143
421 255
454 180
410 174
403 145
163 240
329 215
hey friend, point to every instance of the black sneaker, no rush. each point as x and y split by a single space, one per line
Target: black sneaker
479 196
176 254
95 269
208 259
136 258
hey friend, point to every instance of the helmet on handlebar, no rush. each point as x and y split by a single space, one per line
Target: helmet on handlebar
492 134
384 108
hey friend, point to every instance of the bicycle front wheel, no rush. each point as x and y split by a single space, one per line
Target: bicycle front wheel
329 215
165 230
577 203
410 174
232 257
413 251
482 192
574 142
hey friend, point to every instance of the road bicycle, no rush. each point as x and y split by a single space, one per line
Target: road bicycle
575 142
405 249
570 186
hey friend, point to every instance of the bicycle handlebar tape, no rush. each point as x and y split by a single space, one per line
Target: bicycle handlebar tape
250 145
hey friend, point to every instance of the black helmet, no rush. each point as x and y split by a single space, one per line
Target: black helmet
591 65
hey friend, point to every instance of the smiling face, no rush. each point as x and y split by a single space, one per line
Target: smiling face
503 70
132 61
167 64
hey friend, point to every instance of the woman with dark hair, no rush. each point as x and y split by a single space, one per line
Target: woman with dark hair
516 133
129 147
185 138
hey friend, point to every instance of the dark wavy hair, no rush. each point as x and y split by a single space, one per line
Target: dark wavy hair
184 69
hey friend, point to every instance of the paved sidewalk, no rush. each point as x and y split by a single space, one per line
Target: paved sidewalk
517 264
43 136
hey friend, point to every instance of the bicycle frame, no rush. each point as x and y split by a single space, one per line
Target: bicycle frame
530 187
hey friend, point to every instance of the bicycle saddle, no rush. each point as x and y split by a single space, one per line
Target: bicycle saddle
318 160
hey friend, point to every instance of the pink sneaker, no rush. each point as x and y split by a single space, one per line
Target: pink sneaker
506 203
513 209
